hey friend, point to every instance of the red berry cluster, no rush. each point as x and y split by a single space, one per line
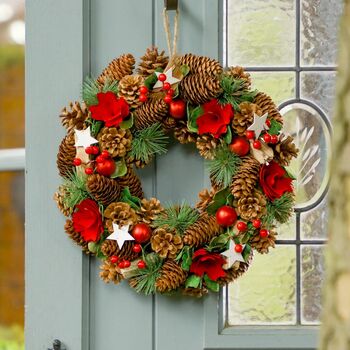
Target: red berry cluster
273 139
242 226
166 87
143 90
124 263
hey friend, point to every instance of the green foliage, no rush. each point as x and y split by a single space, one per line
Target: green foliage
219 243
127 197
246 252
247 234
148 142
223 197
193 281
95 126
280 209
75 189
178 218
275 127
91 88
212 285
150 81
223 166
185 256
120 170
193 114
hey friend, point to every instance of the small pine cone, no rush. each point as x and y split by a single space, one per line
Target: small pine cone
206 145
151 61
202 231
205 198
75 116
199 88
133 282
262 245
103 189
59 199
246 178
238 72
66 155
116 141
138 162
169 123
200 64
76 236
110 247
150 112
121 214
266 105
285 150
195 292
150 209
166 243
129 89
252 207
235 271
182 134
131 180
245 117
110 272
171 277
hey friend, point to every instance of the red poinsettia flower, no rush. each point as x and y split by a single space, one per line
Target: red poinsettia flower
209 263
215 118
110 109
274 180
87 220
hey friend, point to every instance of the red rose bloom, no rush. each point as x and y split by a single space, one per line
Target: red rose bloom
87 220
110 109
274 181
215 118
209 263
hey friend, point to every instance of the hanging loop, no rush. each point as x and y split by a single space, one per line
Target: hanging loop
171 4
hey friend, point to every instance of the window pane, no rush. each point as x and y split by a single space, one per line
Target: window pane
265 295
261 33
287 230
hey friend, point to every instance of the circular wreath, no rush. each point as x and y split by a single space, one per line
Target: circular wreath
124 121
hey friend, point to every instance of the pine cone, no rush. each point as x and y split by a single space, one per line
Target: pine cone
182 134
110 247
166 243
119 213
245 117
110 272
252 207
117 69
116 141
206 145
150 209
285 150
75 236
59 199
202 231
75 116
171 277
262 245
103 189
66 155
200 64
238 72
195 292
151 61
246 178
266 105
237 269
169 123
205 198
138 162
199 88
132 181
150 112
129 89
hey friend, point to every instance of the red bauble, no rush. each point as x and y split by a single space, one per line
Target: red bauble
143 98
238 248
166 86
141 232
114 259
106 168
137 248
257 144
274 139
143 90
250 134
76 161
242 226
168 99
161 77
267 138
263 233
89 171
141 264
105 154
240 146
100 159
226 216
256 223
177 109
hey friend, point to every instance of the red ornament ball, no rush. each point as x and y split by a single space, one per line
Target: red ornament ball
137 248
89 171
238 248
256 223
267 138
242 226
105 154
257 144
240 146
114 259
143 90
263 233
177 109
250 134
166 86
100 159
274 139
162 77
143 98
141 232
77 161
141 264
226 216
168 99
106 168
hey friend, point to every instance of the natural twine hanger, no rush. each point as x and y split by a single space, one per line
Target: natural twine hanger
171 48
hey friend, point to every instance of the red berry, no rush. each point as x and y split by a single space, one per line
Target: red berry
268 122
105 154
242 226
168 99
226 216
256 223
143 90
114 259
88 150
141 264
257 144
250 134
100 159
166 86
171 92
274 139
121 264
161 77
137 248
89 171
76 161
263 233
238 248
95 150
267 138
127 263
143 98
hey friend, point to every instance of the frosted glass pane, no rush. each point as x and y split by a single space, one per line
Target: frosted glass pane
265 295
287 230
261 33
312 277
319 26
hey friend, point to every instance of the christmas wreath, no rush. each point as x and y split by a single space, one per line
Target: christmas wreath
124 121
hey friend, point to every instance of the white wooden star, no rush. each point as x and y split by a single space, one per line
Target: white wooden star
232 255
259 124
83 138
169 78
120 234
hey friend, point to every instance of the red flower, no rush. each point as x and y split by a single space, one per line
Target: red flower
274 180
87 220
110 109
209 263
215 118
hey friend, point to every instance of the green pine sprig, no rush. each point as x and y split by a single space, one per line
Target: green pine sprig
148 142
91 88
224 166
279 210
75 189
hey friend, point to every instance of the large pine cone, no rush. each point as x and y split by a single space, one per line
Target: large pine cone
262 245
285 151
66 155
76 236
200 64
151 61
150 209
245 117
235 271
166 243
266 105
131 180
110 272
207 145
182 134
103 189
205 198
238 72
150 112
171 277
75 116
252 207
116 141
121 214
129 89
117 69
110 247
59 199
